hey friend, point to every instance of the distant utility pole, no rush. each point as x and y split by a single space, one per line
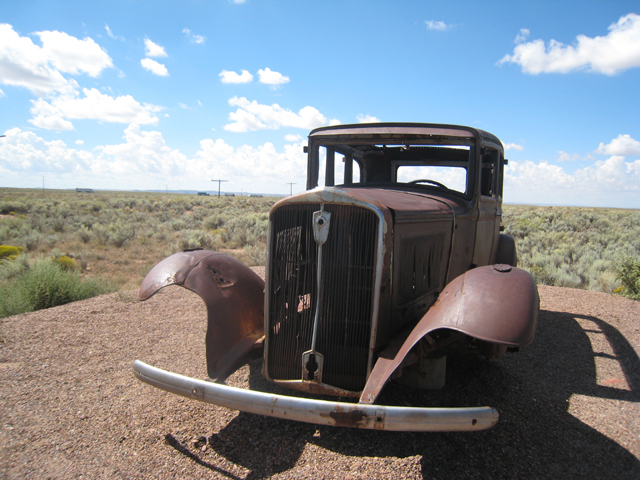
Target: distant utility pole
291 189
166 189
43 184
219 182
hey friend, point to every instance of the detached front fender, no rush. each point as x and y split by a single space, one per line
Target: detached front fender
233 294
496 304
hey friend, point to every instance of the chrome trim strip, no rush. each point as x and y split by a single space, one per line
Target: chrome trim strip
320 412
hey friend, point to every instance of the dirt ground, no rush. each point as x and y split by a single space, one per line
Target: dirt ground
71 408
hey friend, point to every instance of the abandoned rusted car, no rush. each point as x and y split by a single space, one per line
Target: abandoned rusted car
376 276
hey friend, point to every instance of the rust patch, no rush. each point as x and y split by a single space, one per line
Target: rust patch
351 419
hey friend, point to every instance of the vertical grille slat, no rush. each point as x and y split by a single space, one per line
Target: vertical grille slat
348 276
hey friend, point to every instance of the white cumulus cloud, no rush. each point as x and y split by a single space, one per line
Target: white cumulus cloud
144 153
23 152
368 119
152 49
513 146
254 116
217 159
154 67
198 39
622 145
71 55
522 35
93 105
40 69
439 26
615 52
270 77
143 160
613 183
113 35
567 157
232 77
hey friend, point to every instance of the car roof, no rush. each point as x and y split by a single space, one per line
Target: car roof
428 129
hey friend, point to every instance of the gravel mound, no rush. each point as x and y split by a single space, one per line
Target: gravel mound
70 406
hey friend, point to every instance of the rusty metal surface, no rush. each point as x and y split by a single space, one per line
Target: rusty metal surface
321 412
233 294
381 304
497 304
397 129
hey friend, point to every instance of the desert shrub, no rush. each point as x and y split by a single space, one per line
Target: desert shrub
115 234
32 241
248 229
214 221
65 262
45 284
50 240
14 206
178 225
139 217
84 234
9 252
255 255
574 247
121 234
102 234
161 235
10 268
220 236
194 239
628 272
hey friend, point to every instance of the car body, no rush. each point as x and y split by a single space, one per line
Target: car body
379 274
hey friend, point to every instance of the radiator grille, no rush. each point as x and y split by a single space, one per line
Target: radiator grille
348 275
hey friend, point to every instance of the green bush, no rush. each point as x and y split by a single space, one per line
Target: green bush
628 272
9 252
13 268
65 262
46 284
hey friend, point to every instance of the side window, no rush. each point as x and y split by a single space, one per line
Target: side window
489 172
337 168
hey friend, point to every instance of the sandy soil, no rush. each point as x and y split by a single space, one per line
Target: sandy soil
71 408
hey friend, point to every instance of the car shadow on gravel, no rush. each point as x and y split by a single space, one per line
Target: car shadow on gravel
536 434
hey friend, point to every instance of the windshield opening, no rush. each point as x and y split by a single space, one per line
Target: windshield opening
417 164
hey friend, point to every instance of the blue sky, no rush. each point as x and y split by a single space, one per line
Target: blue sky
141 95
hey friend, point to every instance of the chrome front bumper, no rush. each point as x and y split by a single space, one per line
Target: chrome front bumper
320 412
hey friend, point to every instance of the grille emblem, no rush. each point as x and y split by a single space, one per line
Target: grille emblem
321 226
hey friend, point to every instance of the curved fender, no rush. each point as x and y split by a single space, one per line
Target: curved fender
233 294
495 303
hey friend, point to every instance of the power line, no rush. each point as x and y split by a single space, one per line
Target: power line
291 190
